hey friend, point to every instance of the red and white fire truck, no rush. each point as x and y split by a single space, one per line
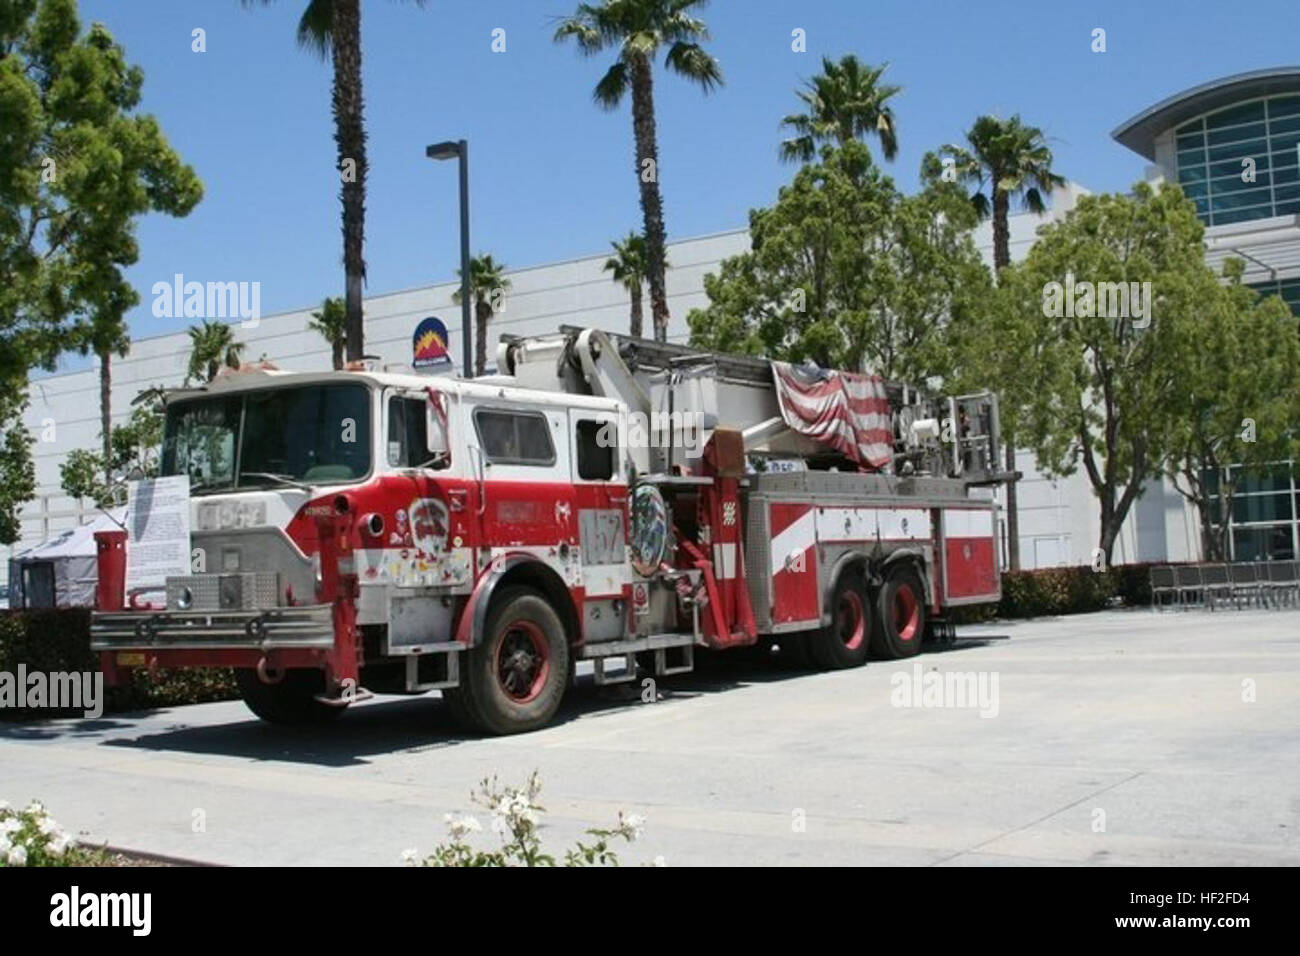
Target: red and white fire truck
601 498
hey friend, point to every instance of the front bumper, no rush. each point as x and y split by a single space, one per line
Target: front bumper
262 630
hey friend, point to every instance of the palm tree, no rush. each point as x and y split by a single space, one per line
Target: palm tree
638 29
333 27
487 283
104 336
331 322
212 345
1010 161
628 265
845 101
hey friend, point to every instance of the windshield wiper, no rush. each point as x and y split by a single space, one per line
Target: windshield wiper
282 479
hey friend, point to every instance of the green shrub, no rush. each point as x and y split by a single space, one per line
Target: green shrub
1133 584
1071 590
59 640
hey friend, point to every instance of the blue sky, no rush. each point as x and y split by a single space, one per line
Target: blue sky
551 175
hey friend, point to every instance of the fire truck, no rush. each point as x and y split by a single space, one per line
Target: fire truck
600 498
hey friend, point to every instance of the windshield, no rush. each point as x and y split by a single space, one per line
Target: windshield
313 434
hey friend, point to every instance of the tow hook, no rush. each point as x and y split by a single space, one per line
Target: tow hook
268 674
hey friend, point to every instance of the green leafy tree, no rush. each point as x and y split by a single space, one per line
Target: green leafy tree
845 271
845 101
133 454
332 28
1084 385
1004 161
212 345
17 470
487 287
331 322
638 30
1238 400
78 164
628 268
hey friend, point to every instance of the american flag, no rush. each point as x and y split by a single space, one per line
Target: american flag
847 411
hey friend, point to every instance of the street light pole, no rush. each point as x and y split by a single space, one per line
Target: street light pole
459 149
464 259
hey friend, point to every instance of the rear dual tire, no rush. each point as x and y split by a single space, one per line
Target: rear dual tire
845 641
900 614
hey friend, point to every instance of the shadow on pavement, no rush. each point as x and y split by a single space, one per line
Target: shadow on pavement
391 724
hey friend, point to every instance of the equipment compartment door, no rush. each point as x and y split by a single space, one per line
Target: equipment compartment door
970 569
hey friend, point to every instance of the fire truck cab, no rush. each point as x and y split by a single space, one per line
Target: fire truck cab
602 498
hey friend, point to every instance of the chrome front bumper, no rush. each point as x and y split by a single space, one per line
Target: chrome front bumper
284 627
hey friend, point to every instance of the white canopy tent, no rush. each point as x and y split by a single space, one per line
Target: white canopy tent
62 571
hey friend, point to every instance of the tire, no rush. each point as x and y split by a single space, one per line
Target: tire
845 641
291 701
514 679
900 614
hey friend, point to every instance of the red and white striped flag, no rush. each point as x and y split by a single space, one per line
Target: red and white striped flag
847 411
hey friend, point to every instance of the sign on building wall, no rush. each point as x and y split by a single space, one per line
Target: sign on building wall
429 345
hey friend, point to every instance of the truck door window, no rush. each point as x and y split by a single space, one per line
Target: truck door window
408 442
597 445
514 438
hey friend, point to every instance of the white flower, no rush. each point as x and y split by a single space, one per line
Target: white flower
10 825
410 857
633 822
36 807
47 826
459 826
18 856
60 844
660 861
5 844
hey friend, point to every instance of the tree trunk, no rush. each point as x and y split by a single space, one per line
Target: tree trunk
482 314
647 174
337 348
106 412
1001 259
350 137
636 311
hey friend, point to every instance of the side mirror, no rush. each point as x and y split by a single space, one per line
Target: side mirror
436 443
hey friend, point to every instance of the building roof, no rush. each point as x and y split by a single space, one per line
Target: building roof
1139 133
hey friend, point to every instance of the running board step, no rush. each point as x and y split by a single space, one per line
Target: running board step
621 676
651 642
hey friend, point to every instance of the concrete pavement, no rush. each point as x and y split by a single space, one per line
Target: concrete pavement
1124 737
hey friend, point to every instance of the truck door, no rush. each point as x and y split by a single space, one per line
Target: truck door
600 491
523 492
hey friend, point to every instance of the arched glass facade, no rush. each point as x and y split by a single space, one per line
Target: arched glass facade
1211 154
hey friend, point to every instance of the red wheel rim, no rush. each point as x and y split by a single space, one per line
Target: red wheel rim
907 612
851 620
523 661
